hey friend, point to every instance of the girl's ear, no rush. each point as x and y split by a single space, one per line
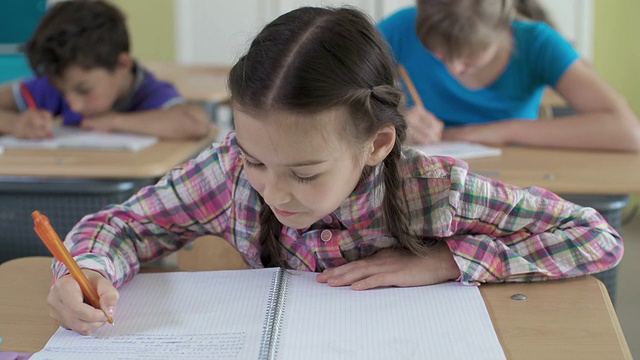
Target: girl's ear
381 145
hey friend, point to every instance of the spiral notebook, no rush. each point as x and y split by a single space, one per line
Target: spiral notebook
281 314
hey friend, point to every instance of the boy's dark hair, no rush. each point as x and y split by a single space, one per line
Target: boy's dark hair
85 33
313 59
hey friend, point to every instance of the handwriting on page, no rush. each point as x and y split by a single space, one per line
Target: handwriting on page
177 316
227 345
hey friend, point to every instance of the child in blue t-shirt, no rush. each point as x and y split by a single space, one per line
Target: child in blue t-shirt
481 75
86 75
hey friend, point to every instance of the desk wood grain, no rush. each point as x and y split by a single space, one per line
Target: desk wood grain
566 319
151 162
564 171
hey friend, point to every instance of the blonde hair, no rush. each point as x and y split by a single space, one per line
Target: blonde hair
459 28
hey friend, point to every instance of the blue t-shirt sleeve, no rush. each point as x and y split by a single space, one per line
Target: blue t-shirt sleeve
45 95
553 54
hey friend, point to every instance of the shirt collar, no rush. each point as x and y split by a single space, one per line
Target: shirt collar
123 104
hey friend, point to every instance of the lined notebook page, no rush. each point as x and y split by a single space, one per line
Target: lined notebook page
200 315
446 321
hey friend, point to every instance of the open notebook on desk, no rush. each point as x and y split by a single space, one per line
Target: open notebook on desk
72 137
280 314
460 150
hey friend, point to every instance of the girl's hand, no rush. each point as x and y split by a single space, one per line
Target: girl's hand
34 124
423 127
68 308
393 267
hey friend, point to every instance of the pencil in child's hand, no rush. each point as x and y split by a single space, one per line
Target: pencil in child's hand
412 89
31 103
28 98
43 228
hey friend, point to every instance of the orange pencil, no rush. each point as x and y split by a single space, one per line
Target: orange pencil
412 89
43 228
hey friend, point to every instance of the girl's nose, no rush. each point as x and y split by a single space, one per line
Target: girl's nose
275 192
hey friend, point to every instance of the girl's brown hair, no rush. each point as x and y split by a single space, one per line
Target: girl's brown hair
313 59
459 28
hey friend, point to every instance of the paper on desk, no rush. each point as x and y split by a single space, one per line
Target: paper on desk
221 315
69 137
443 321
460 150
176 316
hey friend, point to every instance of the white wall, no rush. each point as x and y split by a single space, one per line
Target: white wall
211 33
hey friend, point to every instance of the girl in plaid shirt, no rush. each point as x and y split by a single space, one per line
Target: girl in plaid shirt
315 178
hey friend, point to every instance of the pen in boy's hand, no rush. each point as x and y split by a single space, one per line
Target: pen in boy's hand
31 103
28 98
43 228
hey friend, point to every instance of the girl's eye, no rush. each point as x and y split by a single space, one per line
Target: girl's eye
251 164
305 180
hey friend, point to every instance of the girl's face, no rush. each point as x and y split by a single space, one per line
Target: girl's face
470 65
300 164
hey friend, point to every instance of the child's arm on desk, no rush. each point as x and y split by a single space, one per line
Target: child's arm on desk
493 232
603 119
183 121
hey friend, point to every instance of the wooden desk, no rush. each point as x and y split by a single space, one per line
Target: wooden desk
66 185
564 171
198 83
151 162
568 319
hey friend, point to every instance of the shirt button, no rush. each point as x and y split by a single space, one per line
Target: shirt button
327 219
325 235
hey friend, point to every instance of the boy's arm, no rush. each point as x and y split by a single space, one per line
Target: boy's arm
182 121
8 110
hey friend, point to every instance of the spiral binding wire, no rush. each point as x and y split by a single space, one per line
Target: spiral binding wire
274 315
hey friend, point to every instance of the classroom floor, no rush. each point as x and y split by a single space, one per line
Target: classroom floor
628 303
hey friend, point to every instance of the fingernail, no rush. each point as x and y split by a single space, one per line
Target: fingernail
111 311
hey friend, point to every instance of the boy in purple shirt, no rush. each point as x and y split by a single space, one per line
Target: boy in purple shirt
87 76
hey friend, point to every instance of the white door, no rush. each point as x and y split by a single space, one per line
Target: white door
217 32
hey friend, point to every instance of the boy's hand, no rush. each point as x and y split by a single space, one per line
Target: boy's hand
34 124
423 127
393 267
68 308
